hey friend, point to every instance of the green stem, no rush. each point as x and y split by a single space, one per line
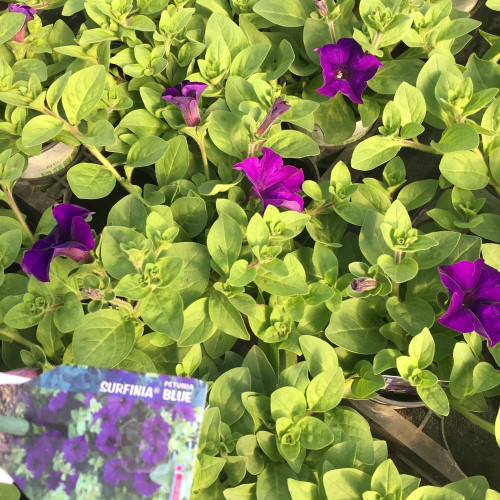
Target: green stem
397 259
19 216
376 40
331 27
487 426
416 145
15 337
201 145
122 303
323 208
107 165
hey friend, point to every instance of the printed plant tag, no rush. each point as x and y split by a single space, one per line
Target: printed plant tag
82 433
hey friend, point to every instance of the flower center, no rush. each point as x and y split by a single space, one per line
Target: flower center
339 74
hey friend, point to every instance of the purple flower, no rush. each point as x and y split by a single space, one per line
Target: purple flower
155 452
20 481
106 416
363 284
72 237
273 183
57 402
155 429
53 480
346 69
185 96
322 8
185 412
28 12
144 484
49 442
70 483
475 299
36 461
115 470
279 107
118 406
108 440
75 450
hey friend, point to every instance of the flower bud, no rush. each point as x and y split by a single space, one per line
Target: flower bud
363 284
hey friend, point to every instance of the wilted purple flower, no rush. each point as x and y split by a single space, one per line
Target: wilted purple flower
185 412
118 406
279 107
475 299
36 461
155 429
144 484
346 69
108 440
273 183
155 452
28 12
75 450
53 480
115 470
363 284
58 401
322 8
185 96
72 237
70 483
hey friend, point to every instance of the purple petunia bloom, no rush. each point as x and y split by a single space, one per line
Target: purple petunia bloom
53 480
119 407
115 471
363 284
70 483
36 461
185 412
29 14
75 450
155 452
106 416
346 69
185 96
273 183
20 481
57 402
279 107
49 442
72 237
144 484
108 440
155 429
475 299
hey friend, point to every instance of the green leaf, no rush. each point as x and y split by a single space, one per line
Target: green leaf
146 151
228 133
447 241
174 164
191 214
288 402
302 490
410 103
373 152
435 398
99 133
292 144
457 137
356 328
485 377
70 316
385 360
388 79
104 340
10 24
9 491
226 394
345 484
336 120
472 488
90 181
264 378
128 212
40 129
386 480
249 60
484 74
224 242
417 193
226 317
272 483
489 228
434 493
371 242
83 92
325 390
465 170
421 349
295 14
404 271
220 26
320 355
462 373
197 325
162 312
315 434
413 315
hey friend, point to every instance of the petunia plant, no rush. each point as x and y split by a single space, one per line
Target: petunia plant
219 229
